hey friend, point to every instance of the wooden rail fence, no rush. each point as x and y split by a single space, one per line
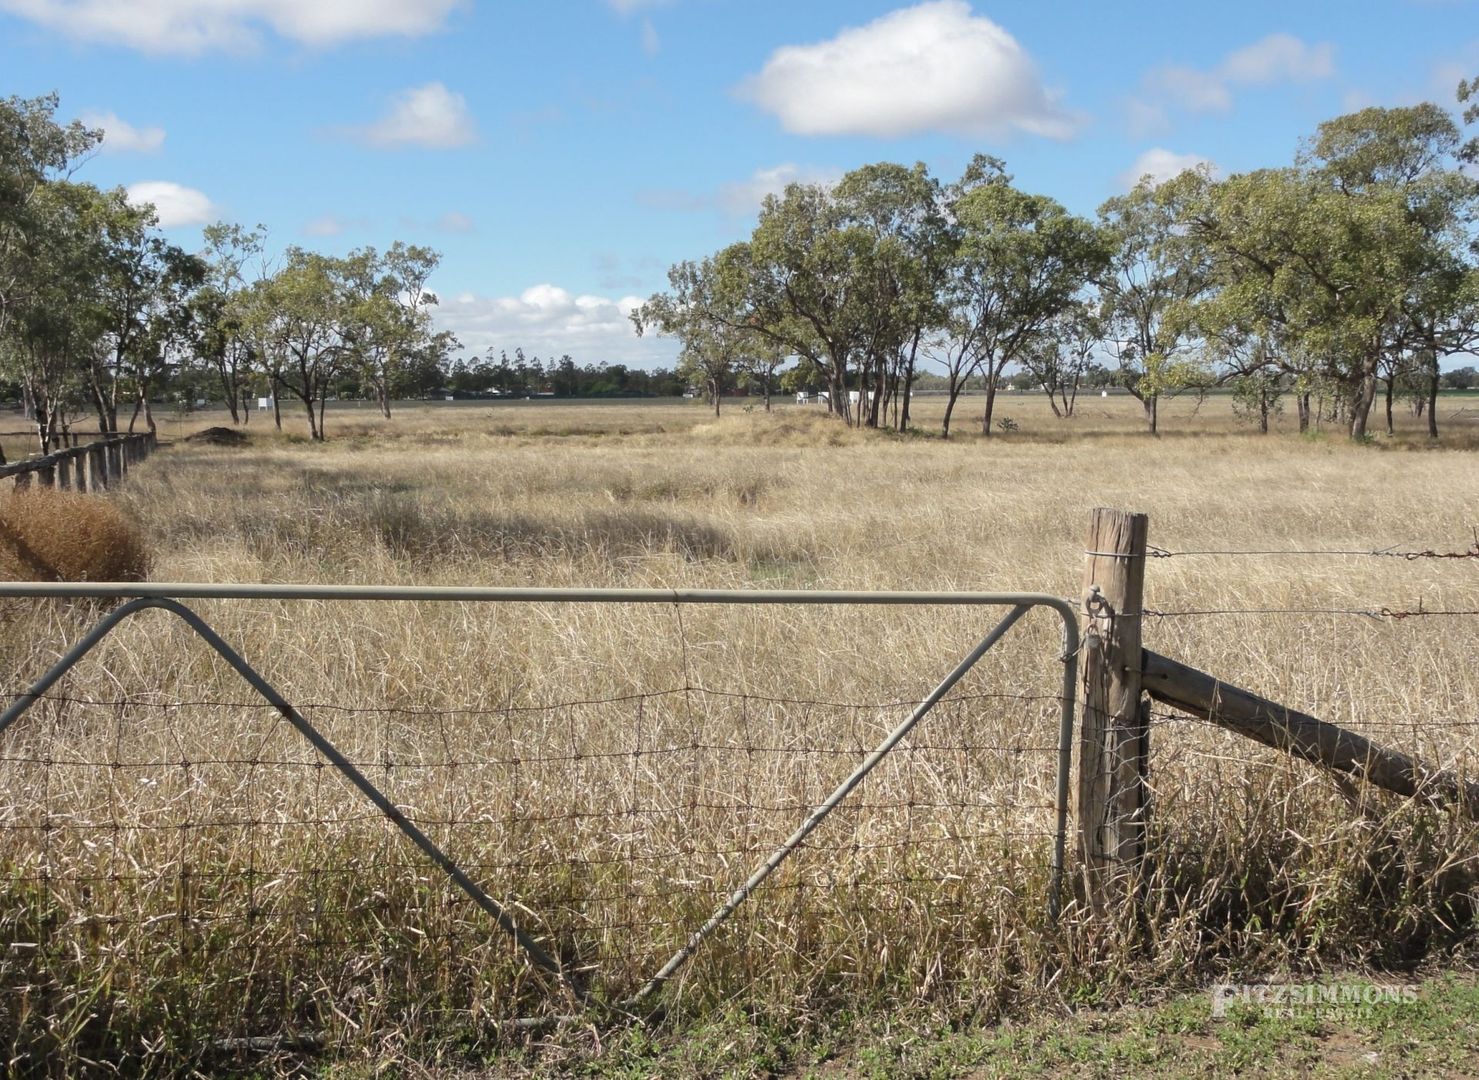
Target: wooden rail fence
94 466
1120 680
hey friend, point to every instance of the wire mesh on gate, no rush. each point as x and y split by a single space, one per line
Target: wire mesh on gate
157 838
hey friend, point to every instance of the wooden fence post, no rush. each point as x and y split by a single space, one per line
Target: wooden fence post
64 471
1115 730
97 467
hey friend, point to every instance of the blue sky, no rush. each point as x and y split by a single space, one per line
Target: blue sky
562 154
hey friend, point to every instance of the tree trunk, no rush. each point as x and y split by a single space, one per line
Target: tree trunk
232 396
876 404
313 432
1302 406
1361 403
382 394
714 395
954 395
1152 413
908 383
277 401
991 374
837 401
1391 388
1433 399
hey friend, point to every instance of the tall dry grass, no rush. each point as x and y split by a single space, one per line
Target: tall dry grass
50 535
181 867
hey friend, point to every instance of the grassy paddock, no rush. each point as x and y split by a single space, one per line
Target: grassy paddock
179 867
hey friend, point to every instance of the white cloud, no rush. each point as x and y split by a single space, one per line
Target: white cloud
429 116
549 321
174 203
121 137
325 225
1160 165
740 197
192 26
454 221
745 196
651 43
1278 58
626 7
932 67
1146 118
1190 89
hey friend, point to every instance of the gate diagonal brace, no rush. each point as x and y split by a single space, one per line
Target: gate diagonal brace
499 912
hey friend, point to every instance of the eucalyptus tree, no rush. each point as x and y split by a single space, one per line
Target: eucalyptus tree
145 288
759 364
706 310
387 318
1022 260
56 322
800 272
1416 152
1151 274
1468 96
900 275
1351 266
297 317
34 150
1060 356
220 308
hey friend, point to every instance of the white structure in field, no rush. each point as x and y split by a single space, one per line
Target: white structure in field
264 403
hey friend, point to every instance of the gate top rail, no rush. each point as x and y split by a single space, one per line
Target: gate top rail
496 594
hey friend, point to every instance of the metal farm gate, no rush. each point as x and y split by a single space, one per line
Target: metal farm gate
506 911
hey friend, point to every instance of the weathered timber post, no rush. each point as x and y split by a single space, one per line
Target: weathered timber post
64 471
46 472
115 461
79 467
1115 731
97 467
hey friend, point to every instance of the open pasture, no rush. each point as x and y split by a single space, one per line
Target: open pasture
184 864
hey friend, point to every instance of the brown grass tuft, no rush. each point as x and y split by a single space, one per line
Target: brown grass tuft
788 427
66 536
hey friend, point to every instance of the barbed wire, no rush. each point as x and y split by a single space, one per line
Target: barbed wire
153 702
1390 552
1377 614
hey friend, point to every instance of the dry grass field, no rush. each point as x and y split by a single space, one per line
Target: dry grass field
180 867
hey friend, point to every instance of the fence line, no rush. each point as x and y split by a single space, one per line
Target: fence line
622 858
94 466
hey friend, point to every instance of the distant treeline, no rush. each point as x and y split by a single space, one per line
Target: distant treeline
521 376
